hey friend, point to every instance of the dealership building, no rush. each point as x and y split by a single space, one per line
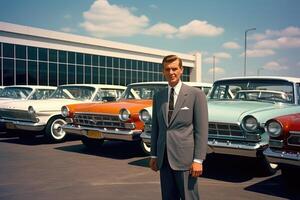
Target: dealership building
34 56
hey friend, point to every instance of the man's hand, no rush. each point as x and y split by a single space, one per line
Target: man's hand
196 169
153 164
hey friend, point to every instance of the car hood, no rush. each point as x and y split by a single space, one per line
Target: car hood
134 106
235 111
39 105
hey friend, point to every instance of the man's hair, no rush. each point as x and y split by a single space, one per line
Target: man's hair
171 58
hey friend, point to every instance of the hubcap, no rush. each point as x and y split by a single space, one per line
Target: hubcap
56 130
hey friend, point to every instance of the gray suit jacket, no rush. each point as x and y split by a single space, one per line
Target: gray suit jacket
185 137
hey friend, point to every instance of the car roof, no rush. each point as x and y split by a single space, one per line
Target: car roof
97 86
32 86
165 83
286 78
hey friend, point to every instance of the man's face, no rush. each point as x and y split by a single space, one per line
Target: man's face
172 72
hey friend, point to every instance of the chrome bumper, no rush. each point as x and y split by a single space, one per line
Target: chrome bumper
113 134
236 148
21 125
282 157
146 137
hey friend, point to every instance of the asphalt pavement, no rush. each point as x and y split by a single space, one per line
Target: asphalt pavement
35 170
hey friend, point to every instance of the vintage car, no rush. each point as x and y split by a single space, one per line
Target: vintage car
236 123
284 144
25 92
116 120
45 115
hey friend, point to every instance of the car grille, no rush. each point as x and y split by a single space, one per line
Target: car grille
98 120
294 139
222 129
11 114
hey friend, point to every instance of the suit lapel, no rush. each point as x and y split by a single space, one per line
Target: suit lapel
183 93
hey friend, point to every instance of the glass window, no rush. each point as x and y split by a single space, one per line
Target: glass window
62 56
122 63
87 59
71 57
134 64
95 60
52 55
8 50
122 77
116 77
32 73
43 54
145 76
102 75
53 74
0 71
116 63
8 71
1 50
102 61
109 62
79 58
140 65
95 75
21 72
87 74
145 66
128 77
79 72
109 76
140 76
43 73
62 74
32 53
21 51
128 64
71 74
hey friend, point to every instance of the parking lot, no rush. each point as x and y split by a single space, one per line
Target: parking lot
35 170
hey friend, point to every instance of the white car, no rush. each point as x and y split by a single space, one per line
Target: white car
25 92
45 115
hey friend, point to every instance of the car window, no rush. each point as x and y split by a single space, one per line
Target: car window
16 92
108 94
81 93
142 91
41 94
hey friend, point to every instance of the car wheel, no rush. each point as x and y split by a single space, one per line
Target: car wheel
54 131
266 168
92 144
146 148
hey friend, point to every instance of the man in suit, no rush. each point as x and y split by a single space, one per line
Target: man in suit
179 134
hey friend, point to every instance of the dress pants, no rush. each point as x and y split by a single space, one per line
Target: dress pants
176 185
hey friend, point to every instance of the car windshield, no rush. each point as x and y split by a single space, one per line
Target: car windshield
142 91
41 94
81 93
16 92
107 94
253 90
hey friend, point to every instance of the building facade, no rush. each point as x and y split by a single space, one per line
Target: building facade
33 56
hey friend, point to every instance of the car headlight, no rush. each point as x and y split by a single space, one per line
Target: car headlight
250 124
145 116
65 111
124 114
31 110
273 128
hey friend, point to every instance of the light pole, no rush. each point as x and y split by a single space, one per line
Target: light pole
214 68
245 52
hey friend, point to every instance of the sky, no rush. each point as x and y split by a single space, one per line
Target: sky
215 28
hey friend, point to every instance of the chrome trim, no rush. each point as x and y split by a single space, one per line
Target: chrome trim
114 134
28 126
293 134
236 147
276 143
225 129
146 137
282 157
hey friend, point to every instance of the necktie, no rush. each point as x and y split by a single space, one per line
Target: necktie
171 104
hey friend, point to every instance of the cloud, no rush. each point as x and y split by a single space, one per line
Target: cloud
210 60
153 6
199 28
106 20
231 45
259 53
274 66
222 55
218 70
161 29
282 42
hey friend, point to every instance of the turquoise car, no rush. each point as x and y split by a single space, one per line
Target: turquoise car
238 109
